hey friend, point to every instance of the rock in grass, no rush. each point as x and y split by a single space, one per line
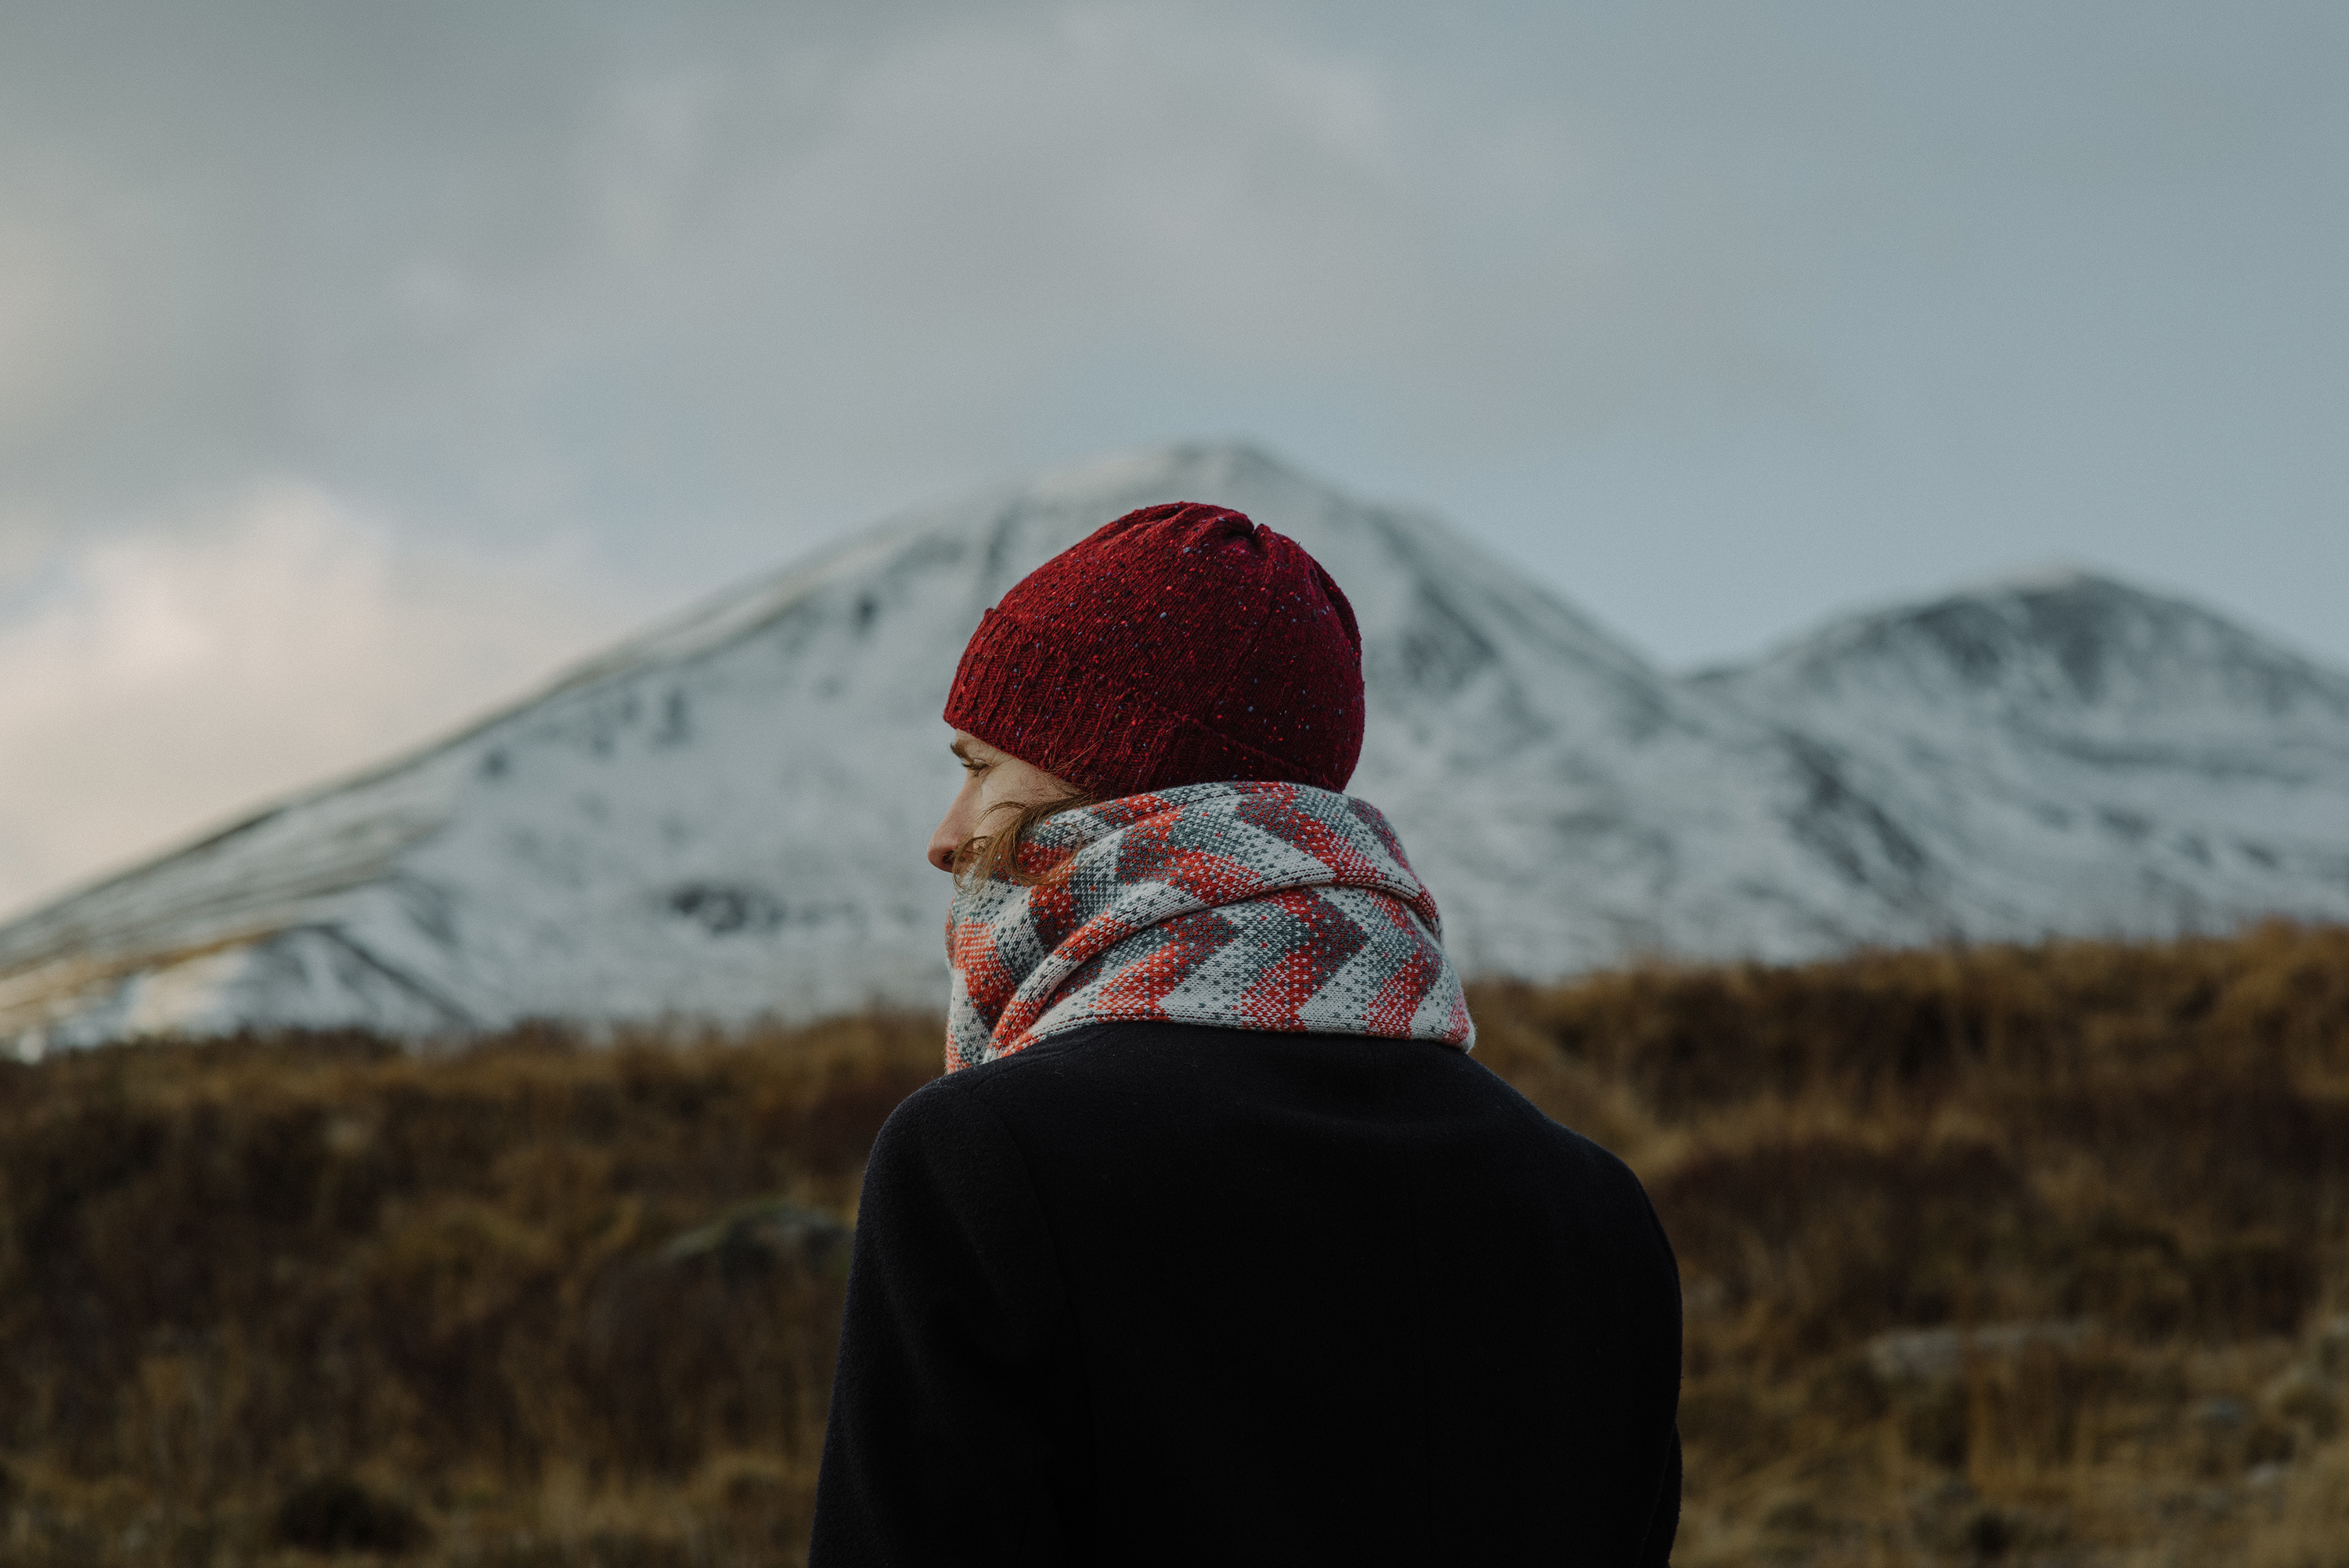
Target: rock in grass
756 1239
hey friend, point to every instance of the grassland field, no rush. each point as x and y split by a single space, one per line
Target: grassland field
1998 1255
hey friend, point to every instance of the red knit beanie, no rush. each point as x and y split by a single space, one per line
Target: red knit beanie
1180 645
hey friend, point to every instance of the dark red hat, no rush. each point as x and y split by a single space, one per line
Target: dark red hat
1180 645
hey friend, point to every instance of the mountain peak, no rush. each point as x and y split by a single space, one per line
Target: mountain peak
2046 576
723 818
2057 639
1218 472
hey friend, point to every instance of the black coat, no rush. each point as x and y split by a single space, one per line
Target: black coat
1160 1294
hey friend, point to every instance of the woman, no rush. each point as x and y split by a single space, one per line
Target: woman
1214 1245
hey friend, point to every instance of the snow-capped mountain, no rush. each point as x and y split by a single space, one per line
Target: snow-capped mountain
726 819
2073 754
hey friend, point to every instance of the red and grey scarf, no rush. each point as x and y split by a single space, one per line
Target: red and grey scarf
1243 906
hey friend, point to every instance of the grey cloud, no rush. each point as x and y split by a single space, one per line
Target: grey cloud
1715 313
582 264
1827 298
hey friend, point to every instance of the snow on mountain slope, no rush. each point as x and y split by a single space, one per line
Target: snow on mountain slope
2081 755
725 819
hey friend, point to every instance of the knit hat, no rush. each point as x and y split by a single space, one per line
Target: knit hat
1180 645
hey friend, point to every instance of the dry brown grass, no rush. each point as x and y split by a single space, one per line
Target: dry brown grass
2004 1255
229 1271
2010 1254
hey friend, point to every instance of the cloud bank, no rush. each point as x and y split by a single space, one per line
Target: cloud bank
1716 315
180 672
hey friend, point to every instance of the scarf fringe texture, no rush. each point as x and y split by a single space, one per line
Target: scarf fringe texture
1249 905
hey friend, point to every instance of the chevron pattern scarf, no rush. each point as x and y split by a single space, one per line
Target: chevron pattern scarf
1242 906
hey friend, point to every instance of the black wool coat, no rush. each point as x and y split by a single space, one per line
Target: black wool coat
1160 1294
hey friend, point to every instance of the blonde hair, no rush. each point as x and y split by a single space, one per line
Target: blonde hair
983 856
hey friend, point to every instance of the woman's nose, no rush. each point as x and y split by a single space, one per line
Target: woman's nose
946 840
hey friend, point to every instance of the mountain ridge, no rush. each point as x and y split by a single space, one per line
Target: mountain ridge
721 818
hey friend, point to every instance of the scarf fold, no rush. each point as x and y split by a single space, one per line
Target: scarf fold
1243 906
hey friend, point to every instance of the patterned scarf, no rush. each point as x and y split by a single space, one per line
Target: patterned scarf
1244 906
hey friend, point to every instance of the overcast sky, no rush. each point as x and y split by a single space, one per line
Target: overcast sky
359 363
